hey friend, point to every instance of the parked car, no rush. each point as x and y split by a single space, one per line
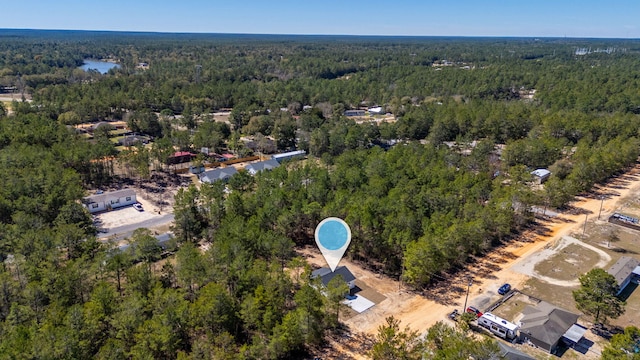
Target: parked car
473 310
454 315
505 288
138 206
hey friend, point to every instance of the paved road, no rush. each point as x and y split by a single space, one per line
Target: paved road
122 232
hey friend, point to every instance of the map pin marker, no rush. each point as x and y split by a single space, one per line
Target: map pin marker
333 237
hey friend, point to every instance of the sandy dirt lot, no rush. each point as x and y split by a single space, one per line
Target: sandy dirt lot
127 215
421 311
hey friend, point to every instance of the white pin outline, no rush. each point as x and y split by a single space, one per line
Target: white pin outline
331 256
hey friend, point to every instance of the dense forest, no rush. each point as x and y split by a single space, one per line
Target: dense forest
445 182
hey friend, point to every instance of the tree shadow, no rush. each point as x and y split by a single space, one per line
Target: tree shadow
573 210
623 251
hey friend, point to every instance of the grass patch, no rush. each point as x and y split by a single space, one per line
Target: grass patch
631 315
569 263
512 308
554 294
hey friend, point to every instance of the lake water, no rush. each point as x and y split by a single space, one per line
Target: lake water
102 67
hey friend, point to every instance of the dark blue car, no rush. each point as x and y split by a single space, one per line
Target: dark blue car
504 289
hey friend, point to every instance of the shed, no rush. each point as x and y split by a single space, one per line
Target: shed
257 167
545 325
375 110
541 175
110 200
221 174
624 270
326 275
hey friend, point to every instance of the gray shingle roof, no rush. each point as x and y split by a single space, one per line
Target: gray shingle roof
326 275
262 165
218 174
509 353
546 323
623 268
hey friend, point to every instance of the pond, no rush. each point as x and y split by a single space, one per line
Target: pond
102 67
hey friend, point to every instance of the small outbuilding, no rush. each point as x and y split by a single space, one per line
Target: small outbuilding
375 110
540 175
257 167
110 200
545 325
221 174
326 275
625 270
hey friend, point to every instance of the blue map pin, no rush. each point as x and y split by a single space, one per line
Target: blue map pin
333 236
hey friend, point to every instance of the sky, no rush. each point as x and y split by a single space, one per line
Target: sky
542 18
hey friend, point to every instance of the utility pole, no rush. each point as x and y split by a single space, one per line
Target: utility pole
601 203
467 298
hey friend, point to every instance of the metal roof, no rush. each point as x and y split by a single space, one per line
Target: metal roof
289 154
541 172
575 333
623 268
110 195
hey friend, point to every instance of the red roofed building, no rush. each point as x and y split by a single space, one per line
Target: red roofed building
180 157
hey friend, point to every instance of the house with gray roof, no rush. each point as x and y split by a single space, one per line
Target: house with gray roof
625 270
220 174
257 167
509 353
109 200
326 275
545 325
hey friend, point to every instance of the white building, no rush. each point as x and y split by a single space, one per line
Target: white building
110 200
257 167
288 155
541 175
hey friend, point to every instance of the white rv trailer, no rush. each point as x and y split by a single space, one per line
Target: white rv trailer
498 326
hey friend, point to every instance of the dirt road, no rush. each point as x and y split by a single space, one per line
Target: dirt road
420 312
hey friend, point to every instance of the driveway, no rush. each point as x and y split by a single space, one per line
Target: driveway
121 223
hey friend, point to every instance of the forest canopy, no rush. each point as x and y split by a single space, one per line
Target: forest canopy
444 181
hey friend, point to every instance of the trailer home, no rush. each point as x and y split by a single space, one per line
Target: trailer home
498 326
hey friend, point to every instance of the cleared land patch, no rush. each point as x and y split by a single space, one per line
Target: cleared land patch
569 263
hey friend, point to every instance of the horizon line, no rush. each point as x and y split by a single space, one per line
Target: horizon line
316 35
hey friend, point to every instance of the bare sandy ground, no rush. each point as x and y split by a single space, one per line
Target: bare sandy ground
527 266
421 311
